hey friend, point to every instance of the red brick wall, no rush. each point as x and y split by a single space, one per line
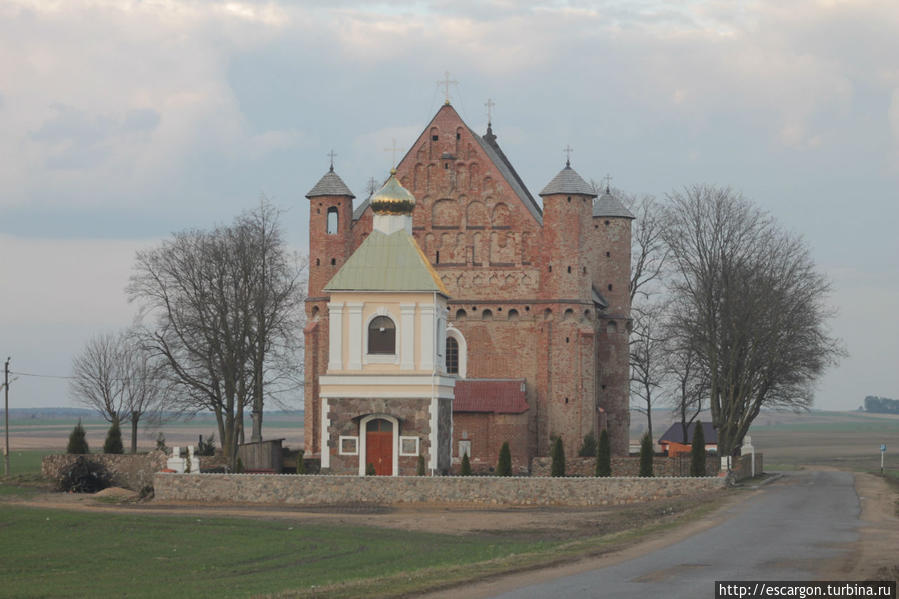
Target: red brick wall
487 433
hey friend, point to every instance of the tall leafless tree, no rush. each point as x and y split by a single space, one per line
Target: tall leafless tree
647 348
226 317
686 380
751 305
649 254
114 376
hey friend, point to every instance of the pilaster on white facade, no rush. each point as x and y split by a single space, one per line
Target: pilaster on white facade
407 336
433 437
427 329
326 422
354 360
391 223
335 336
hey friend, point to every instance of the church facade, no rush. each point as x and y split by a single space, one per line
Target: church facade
534 297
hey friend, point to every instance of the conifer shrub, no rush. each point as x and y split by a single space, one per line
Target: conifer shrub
113 443
604 455
238 467
420 469
504 465
370 469
206 446
78 440
465 469
558 457
697 451
588 449
646 455
301 465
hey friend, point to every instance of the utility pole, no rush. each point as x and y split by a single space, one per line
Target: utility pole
6 412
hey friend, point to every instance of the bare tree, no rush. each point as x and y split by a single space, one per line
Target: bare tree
97 377
751 306
687 380
227 315
649 254
114 376
647 359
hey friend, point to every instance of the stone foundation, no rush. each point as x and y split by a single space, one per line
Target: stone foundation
131 471
477 490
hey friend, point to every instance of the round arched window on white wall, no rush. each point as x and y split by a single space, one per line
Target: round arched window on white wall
456 353
381 336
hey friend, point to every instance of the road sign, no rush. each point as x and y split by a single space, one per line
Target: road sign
883 447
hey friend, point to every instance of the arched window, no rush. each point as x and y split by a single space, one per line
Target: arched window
452 356
456 353
332 221
381 336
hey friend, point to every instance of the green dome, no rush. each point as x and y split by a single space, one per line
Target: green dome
392 198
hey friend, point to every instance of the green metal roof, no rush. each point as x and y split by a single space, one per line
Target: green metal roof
387 263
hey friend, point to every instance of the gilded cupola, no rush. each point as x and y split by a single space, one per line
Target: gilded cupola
393 198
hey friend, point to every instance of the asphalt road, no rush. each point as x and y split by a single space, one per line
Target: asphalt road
789 531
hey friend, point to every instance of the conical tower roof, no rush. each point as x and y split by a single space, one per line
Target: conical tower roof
610 206
568 182
330 185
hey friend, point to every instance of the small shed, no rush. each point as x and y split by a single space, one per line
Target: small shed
673 442
261 456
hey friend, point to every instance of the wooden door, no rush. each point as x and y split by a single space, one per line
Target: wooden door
379 446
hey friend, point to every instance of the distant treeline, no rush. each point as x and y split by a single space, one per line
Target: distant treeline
881 405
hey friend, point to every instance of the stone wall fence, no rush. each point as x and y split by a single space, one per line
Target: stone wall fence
129 470
662 466
452 490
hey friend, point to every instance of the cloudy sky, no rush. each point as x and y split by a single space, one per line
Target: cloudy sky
122 121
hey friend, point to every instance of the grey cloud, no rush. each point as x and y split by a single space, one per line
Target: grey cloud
77 139
143 119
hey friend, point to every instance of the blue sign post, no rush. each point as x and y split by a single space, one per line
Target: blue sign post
883 450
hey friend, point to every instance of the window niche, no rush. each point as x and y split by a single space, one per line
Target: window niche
333 221
381 336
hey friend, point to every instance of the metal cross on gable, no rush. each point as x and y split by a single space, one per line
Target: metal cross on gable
445 82
393 149
567 150
331 155
608 179
490 104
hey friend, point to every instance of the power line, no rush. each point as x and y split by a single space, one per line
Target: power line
41 376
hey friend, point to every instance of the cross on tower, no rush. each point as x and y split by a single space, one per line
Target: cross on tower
393 150
332 154
490 104
372 186
608 179
445 82
567 150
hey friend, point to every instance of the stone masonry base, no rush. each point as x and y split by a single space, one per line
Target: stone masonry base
479 490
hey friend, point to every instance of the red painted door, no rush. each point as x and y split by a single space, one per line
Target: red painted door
379 446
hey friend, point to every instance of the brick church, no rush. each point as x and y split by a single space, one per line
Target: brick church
527 304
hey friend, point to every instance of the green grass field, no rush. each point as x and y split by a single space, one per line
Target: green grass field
57 553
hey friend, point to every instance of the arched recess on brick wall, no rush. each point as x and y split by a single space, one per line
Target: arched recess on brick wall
445 213
456 334
477 215
501 215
